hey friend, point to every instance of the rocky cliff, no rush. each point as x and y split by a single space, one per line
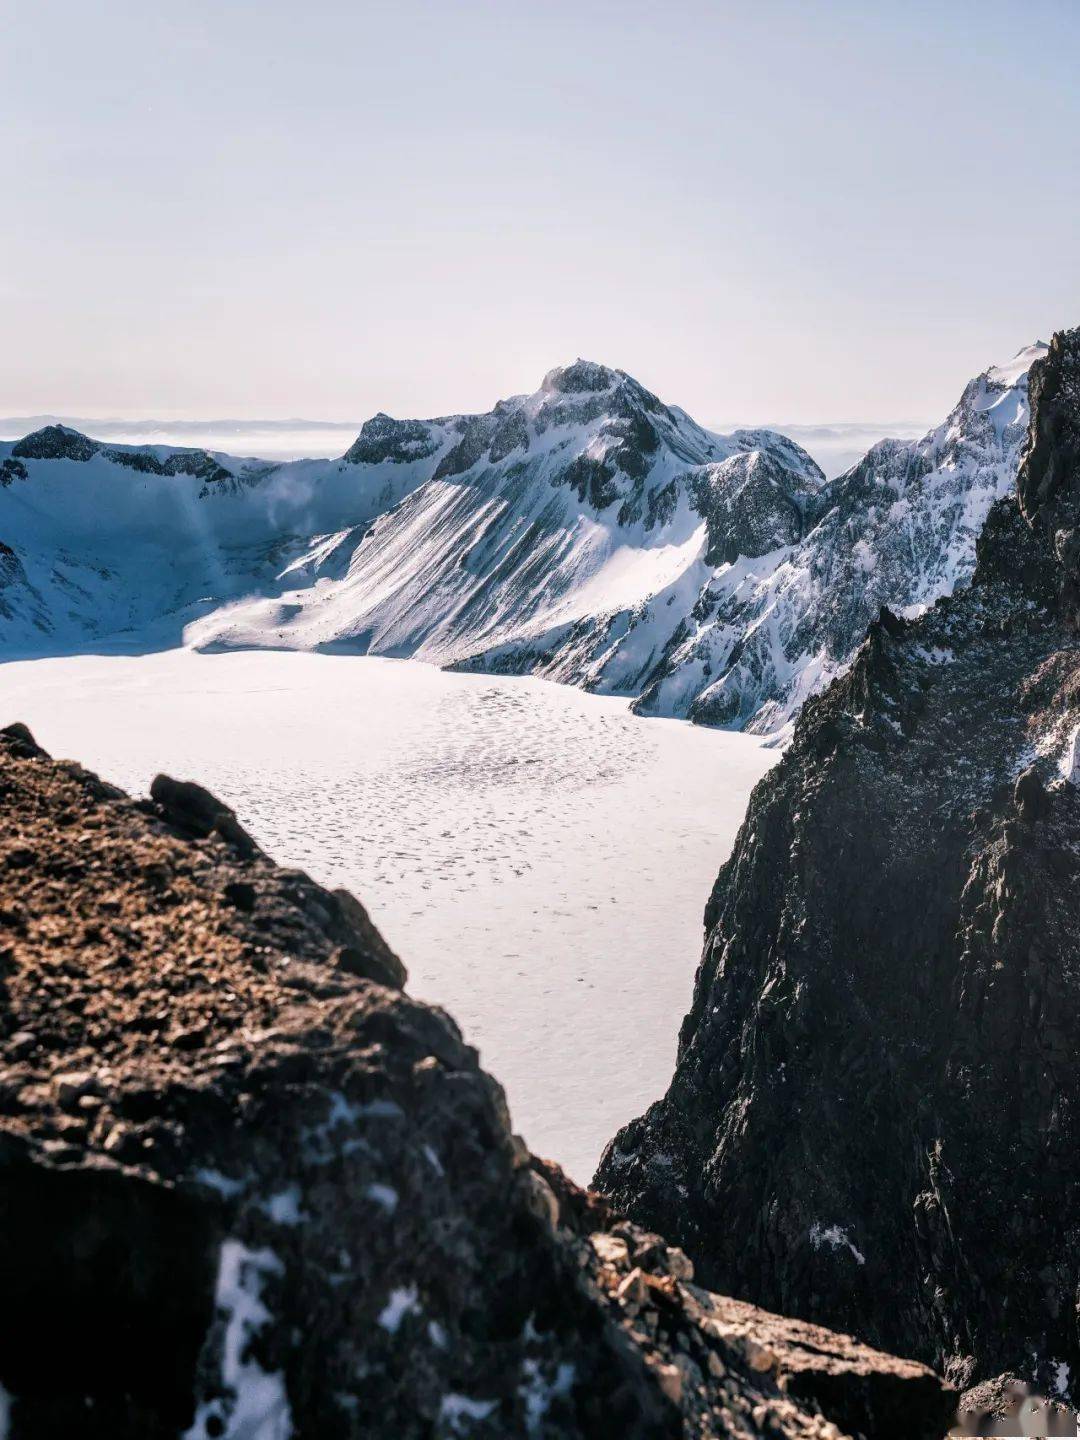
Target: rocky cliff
249 1189
875 1116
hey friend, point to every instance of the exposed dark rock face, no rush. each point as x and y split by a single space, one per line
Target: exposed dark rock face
15 586
184 462
751 504
1049 482
384 438
12 470
875 1116
477 436
247 1191
59 442
55 442
11 571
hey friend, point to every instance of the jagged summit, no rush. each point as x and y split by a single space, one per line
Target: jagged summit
383 438
585 377
55 442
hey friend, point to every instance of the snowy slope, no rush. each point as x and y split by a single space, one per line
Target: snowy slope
122 545
578 501
587 532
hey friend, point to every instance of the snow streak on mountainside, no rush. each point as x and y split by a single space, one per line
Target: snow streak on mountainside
587 533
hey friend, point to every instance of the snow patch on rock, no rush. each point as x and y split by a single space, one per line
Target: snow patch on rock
403 1301
283 1208
835 1237
456 1410
539 1393
258 1405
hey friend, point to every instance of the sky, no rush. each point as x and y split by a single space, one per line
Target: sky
766 211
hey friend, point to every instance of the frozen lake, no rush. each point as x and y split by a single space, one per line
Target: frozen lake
539 857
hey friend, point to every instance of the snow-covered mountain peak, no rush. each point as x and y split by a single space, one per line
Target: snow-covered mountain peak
785 450
994 401
1017 368
590 430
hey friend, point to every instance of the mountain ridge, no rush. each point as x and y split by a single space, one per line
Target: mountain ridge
587 533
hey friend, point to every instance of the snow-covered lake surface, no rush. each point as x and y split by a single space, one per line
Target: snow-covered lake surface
539 857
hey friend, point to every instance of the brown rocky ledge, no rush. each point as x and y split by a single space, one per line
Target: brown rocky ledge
251 1189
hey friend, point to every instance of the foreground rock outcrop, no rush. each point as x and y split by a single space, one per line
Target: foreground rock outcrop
875 1117
248 1188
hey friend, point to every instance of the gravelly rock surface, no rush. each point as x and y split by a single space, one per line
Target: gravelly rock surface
251 1189
875 1117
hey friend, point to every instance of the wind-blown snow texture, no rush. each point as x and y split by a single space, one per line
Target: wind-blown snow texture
495 828
587 533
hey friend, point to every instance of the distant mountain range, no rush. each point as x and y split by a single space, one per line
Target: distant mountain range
588 533
275 440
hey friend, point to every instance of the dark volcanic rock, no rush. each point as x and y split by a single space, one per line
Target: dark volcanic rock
246 1191
55 442
198 463
750 504
384 438
12 470
875 1116
194 811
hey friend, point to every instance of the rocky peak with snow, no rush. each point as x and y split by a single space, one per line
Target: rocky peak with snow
60 442
899 529
752 503
594 429
583 377
55 442
383 438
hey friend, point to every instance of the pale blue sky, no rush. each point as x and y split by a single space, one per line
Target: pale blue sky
764 210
